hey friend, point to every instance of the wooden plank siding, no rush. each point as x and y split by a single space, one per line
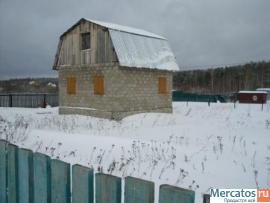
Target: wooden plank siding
100 46
101 50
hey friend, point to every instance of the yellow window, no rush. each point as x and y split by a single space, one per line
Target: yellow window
98 85
162 85
71 85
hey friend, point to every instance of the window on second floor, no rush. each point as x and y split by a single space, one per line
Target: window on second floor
86 42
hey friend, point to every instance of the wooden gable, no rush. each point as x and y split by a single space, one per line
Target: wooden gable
72 51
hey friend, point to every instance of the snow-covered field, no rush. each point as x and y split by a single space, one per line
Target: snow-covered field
196 147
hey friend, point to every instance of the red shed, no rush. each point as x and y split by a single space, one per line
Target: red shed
255 97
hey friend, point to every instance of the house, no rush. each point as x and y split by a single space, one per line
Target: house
112 71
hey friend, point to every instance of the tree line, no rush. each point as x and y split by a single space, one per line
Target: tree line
29 85
224 80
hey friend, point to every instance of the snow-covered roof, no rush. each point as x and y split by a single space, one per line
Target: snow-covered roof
263 89
142 52
139 48
253 92
127 29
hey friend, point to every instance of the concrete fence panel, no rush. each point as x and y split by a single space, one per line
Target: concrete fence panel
82 184
108 189
41 178
60 182
171 194
24 178
3 171
138 191
12 174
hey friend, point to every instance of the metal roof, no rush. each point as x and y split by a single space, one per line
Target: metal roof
139 48
142 52
127 29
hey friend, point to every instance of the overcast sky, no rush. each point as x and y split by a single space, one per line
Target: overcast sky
201 32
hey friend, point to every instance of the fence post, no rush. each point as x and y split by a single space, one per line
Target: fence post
138 191
108 189
12 173
41 178
60 181
24 183
10 100
206 198
3 171
82 184
173 194
44 101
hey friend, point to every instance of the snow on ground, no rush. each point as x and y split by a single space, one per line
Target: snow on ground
196 147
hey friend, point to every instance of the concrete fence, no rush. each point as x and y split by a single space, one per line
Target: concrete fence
30 100
36 178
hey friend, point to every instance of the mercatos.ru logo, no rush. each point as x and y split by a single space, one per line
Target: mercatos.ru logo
239 195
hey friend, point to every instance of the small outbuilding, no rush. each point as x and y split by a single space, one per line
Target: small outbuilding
256 97
112 71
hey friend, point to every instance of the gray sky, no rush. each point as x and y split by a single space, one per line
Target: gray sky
201 33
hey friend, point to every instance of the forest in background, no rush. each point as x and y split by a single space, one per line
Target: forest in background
29 85
224 80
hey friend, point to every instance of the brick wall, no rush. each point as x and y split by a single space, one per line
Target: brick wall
127 91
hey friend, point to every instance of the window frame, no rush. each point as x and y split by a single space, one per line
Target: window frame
98 85
162 85
71 85
83 47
